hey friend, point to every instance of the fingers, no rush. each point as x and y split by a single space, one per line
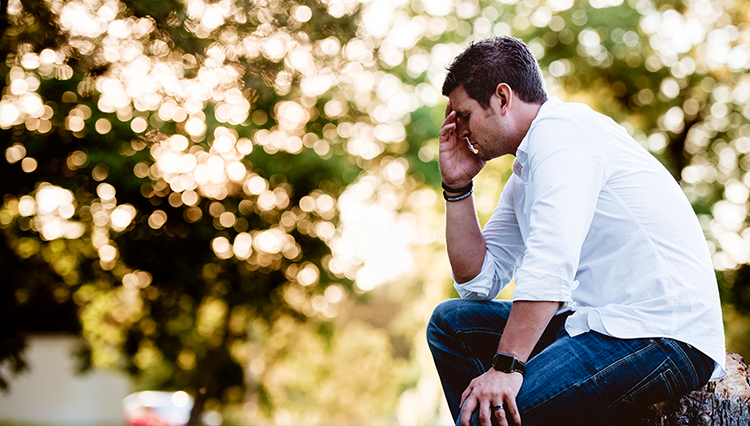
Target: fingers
485 413
507 410
503 412
448 130
512 409
499 412
450 115
486 410
467 410
450 118
492 394
465 395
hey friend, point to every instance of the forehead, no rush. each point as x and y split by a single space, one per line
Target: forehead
461 101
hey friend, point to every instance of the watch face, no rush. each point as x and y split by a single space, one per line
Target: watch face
508 364
503 362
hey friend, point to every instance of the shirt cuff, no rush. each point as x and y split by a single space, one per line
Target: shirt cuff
533 285
481 287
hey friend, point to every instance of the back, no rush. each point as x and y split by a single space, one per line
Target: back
645 269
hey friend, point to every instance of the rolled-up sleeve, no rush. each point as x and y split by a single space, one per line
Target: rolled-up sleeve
542 286
564 172
483 286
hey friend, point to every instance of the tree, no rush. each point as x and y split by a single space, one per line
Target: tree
176 171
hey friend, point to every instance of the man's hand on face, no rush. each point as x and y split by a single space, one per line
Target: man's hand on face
491 389
458 161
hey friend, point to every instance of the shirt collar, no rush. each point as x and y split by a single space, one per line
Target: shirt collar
522 150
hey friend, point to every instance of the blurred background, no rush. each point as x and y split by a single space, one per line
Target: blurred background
235 206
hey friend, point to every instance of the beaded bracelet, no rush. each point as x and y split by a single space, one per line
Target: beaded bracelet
458 197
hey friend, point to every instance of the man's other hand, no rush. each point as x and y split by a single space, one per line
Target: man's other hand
489 390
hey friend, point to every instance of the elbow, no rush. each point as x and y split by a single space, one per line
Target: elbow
466 271
463 275
463 279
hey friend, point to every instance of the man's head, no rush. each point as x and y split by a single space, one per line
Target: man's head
487 63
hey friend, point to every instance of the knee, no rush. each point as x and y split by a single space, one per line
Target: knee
440 320
445 311
447 317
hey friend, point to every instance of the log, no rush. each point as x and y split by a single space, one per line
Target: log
709 409
724 402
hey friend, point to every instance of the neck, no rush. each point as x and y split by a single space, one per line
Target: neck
524 115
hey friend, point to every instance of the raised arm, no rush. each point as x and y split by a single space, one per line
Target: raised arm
458 166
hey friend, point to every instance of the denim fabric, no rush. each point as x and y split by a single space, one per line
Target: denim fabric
582 380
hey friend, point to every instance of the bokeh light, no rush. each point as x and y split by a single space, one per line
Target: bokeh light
212 112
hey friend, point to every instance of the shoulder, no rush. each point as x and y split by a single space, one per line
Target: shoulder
561 120
562 137
563 126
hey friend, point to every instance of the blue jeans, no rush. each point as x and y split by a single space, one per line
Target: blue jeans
583 380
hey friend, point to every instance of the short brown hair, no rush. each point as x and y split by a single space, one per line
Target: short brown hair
489 62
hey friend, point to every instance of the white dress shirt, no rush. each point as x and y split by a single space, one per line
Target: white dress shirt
592 219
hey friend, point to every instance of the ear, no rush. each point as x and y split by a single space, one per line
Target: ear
505 96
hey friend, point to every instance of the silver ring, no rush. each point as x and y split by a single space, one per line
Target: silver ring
497 407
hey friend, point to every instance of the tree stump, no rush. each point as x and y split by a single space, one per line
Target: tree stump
724 402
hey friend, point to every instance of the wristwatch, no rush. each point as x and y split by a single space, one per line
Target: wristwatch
508 364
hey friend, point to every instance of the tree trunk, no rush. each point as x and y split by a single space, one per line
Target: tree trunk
197 410
724 402
703 408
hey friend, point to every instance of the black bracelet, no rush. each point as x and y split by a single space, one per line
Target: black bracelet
457 197
463 190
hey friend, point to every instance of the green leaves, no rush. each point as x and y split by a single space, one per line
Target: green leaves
230 151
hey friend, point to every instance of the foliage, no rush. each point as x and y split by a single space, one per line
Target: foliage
208 185
174 169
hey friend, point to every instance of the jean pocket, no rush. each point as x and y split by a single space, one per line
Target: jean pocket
660 385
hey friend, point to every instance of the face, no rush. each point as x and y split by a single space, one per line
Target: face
489 131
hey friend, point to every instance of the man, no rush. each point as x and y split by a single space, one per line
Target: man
615 303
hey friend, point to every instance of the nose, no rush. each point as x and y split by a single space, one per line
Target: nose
462 129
